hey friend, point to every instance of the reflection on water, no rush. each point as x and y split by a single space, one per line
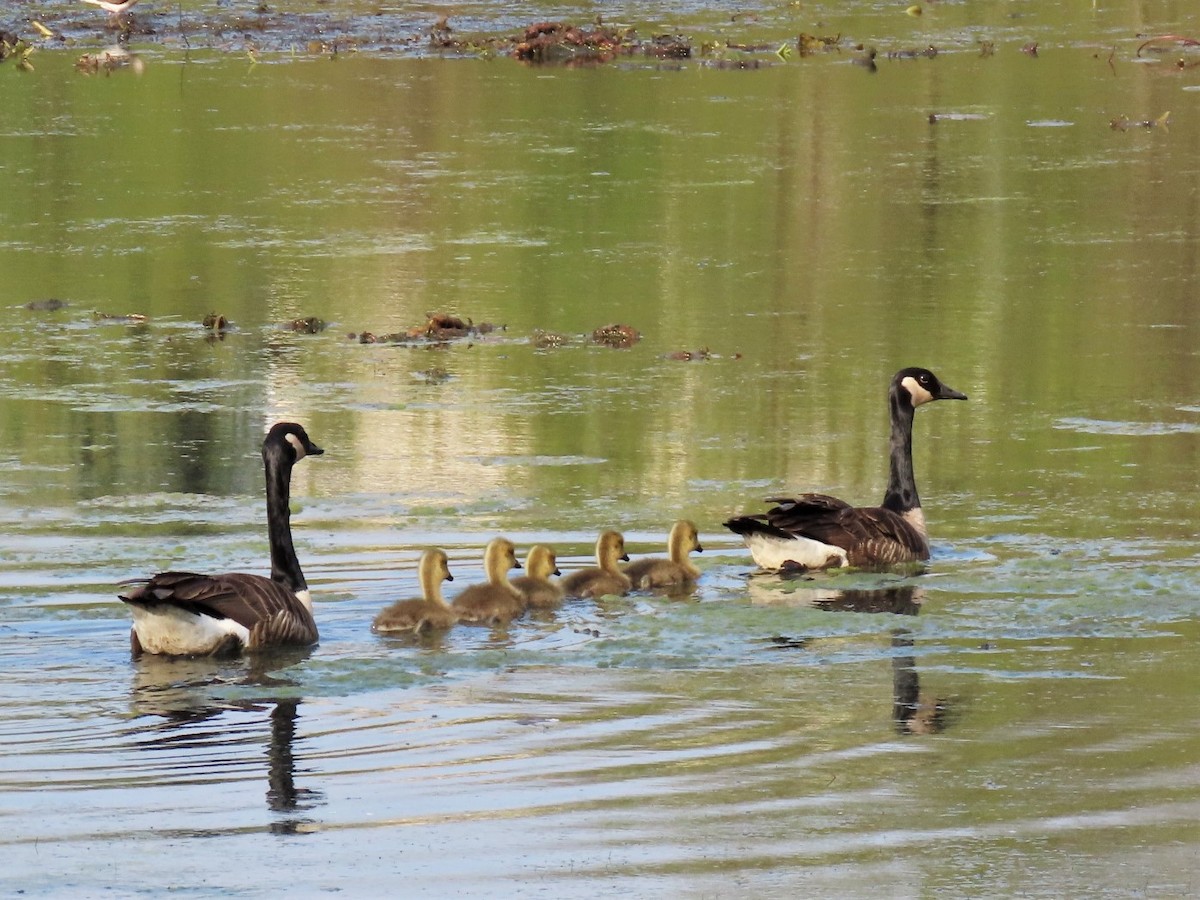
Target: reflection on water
1027 700
914 712
206 729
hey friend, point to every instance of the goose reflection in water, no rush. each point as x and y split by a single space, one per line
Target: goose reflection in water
207 727
912 711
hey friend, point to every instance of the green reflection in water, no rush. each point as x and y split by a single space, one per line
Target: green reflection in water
809 219
806 224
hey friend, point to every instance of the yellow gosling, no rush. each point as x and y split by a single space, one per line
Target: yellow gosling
428 611
678 569
606 576
495 601
539 591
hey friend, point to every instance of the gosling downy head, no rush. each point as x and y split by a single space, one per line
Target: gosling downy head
610 550
540 592
497 600
430 610
678 569
541 562
606 576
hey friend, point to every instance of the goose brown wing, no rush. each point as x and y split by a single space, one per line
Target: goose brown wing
270 611
884 537
871 535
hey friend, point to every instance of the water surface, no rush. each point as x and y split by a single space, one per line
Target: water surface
1018 719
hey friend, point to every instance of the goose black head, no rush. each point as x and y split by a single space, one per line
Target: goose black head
922 386
292 436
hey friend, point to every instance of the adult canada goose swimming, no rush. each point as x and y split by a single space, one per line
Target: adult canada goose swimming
678 569
539 591
816 531
430 610
606 576
185 614
495 601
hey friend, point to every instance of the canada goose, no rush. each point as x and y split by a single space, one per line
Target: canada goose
606 576
816 531
678 569
430 610
184 614
539 591
495 600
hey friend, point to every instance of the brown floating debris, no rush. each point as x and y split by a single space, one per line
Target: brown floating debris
49 304
808 44
441 34
439 328
109 61
436 375
15 47
559 42
668 46
690 355
927 52
544 340
1122 124
307 325
619 336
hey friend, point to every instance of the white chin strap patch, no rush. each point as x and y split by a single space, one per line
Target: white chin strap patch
919 394
297 444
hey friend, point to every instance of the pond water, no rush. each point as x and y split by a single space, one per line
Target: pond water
1020 718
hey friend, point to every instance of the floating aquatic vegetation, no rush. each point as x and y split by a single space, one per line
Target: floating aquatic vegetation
109 61
307 325
809 44
1120 123
690 355
914 53
438 328
544 340
104 318
558 42
435 375
14 47
48 304
616 335
563 43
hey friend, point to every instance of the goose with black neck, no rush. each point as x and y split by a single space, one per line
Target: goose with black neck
817 531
